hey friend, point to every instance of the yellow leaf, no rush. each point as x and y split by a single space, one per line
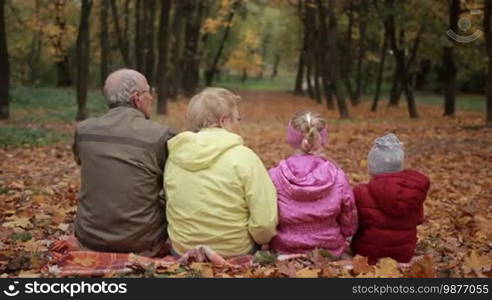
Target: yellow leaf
363 163
387 268
308 273
34 246
19 222
477 263
29 274
205 269
167 269
38 199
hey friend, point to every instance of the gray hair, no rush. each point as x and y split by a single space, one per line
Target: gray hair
386 155
121 85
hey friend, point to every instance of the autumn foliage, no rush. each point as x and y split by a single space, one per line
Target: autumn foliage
39 186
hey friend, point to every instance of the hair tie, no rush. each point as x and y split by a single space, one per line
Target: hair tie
295 137
308 119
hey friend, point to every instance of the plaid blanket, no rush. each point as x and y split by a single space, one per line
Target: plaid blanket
68 259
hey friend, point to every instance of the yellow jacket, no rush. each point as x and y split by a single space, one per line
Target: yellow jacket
218 192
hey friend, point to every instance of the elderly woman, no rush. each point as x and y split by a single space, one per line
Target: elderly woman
219 193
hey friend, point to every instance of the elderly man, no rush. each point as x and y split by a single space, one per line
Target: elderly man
122 156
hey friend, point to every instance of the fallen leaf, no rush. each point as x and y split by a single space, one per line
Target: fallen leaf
167 269
361 265
19 222
308 273
35 245
63 226
387 268
476 263
205 269
421 268
29 274
85 261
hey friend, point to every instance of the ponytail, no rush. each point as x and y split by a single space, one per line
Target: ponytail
311 137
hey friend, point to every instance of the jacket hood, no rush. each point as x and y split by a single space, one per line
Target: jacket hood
400 192
305 177
197 151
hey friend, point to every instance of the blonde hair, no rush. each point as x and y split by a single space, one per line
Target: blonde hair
310 124
207 107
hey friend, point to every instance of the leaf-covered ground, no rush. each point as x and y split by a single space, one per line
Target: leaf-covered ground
39 185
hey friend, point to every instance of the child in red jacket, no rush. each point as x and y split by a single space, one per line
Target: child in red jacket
390 206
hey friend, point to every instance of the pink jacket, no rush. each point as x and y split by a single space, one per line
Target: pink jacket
316 205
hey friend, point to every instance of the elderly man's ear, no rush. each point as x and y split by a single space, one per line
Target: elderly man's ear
136 100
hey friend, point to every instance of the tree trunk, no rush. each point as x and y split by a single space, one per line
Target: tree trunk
299 90
407 85
138 37
309 83
362 49
335 62
83 51
122 43
276 63
346 68
379 82
397 87
244 77
191 68
488 40
313 49
64 76
210 73
149 40
175 73
162 83
449 66
34 49
61 56
323 59
4 67
105 45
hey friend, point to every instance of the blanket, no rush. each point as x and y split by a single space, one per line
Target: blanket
68 259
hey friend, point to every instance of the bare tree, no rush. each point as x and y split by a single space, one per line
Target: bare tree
448 62
401 80
334 52
104 39
4 67
488 38
83 50
379 80
162 84
120 36
210 73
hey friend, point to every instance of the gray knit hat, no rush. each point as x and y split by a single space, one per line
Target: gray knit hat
386 155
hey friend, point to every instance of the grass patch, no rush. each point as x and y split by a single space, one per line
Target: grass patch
284 83
48 105
21 136
21 236
463 101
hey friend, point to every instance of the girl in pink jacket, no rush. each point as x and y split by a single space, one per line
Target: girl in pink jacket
316 205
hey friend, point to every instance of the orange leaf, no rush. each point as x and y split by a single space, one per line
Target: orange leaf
86 261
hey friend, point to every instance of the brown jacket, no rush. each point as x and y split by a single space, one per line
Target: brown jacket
122 157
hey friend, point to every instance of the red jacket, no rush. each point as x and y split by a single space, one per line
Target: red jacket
390 207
